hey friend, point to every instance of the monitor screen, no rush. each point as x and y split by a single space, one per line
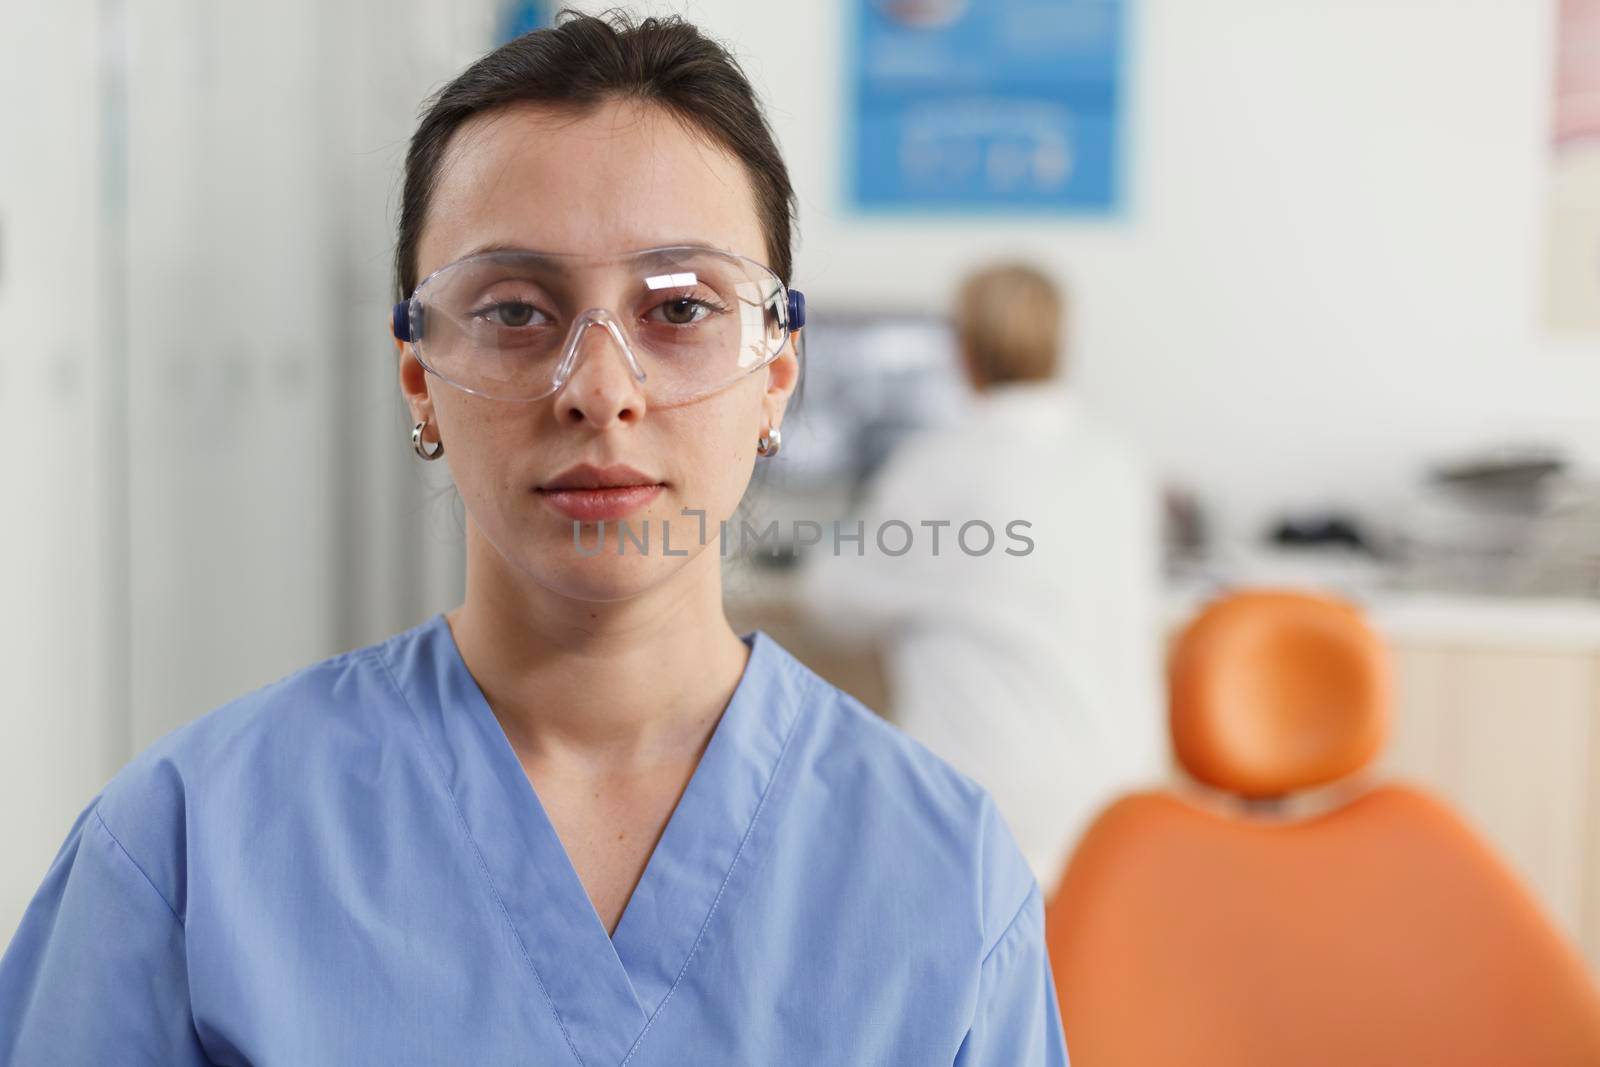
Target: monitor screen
871 379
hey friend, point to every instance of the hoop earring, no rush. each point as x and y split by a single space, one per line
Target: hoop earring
768 443
419 448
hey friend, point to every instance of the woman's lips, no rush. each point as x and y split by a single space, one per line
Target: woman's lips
597 505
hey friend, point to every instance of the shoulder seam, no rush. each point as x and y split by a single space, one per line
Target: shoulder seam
148 880
1016 917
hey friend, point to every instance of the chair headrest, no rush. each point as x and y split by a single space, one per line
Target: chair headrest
1276 690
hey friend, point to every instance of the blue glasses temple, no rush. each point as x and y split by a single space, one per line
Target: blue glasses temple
402 315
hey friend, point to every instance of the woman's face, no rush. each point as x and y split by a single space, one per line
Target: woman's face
624 177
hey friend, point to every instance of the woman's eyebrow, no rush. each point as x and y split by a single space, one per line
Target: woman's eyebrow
660 251
668 256
500 246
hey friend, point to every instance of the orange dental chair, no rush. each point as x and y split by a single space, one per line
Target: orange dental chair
1380 930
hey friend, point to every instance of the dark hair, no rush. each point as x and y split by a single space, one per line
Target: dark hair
583 61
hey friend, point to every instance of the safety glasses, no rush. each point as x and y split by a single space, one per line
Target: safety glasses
688 320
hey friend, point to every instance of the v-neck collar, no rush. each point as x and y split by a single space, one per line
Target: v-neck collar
603 990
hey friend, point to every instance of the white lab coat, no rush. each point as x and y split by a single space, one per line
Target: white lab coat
1038 675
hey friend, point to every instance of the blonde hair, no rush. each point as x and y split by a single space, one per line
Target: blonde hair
1008 318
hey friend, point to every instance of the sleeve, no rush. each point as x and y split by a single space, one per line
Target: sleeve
96 971
1018 1021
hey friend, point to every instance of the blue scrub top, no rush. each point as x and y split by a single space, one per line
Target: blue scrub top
351 866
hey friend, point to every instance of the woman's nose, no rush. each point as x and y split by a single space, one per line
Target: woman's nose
603 387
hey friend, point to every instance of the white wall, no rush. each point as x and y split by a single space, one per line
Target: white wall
1329 266
60 733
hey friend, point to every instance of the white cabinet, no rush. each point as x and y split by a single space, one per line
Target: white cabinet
1509 737
60 736
210 482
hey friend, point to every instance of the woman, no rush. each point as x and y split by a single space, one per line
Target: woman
1033 666
577 819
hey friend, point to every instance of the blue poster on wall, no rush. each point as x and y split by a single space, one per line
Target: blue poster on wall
987 105
518 17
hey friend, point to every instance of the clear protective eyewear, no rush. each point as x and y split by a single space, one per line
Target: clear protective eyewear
688 320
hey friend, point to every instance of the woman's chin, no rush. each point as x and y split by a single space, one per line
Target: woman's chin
607 576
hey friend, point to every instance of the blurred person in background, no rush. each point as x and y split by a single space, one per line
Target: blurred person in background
1034 665
578 818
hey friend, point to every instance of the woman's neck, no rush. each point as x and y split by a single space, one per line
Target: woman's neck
613 685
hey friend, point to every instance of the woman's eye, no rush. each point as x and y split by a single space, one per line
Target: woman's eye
684 311
513 313
508 314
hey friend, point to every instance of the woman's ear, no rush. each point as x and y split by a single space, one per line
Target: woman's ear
783 375
414 383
